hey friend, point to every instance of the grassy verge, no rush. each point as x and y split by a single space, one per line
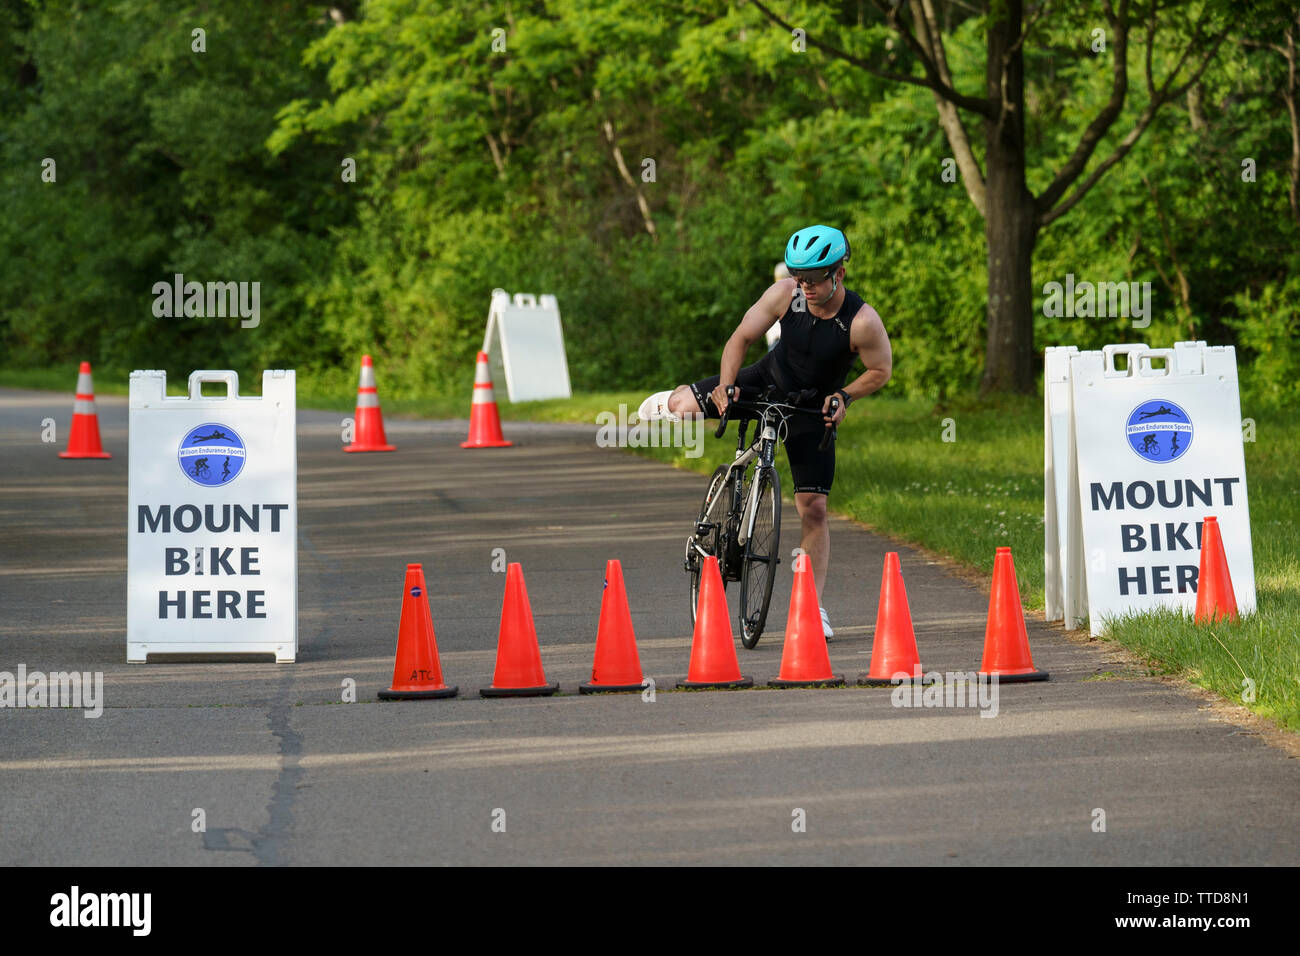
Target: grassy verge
963 481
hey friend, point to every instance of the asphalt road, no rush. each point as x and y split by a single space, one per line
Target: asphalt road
284 772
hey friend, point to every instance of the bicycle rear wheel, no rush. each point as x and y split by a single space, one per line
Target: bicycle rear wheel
713 514
758 569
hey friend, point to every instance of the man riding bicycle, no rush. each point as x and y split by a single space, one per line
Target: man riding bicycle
824 326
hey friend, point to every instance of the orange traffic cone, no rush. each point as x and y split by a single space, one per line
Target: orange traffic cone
804 659
617 666
484 421
369 420
417 674
1215 599
1006 641
83 438
893 649
713 649
519 660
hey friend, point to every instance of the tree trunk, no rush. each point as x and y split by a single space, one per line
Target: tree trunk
1010 226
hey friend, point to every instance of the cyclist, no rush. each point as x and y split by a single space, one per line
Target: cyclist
824 326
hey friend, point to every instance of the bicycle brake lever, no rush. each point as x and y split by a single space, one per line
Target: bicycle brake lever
722 424
830 431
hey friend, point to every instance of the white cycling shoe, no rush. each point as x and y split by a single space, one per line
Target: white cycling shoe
655 409
826 625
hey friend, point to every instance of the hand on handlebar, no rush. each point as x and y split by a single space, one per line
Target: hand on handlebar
833 410
721 400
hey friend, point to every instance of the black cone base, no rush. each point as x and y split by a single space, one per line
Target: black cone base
716 685
866 680
438 694
542 690
1015 678
834 680
611 688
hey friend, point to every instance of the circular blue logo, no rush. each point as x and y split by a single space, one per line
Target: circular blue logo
212 454
1159 431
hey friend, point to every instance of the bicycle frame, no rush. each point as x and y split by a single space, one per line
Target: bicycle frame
745 455
762 448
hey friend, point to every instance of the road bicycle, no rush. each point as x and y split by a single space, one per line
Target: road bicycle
740 520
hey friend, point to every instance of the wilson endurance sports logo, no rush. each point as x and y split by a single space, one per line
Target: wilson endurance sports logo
212 454
1159 431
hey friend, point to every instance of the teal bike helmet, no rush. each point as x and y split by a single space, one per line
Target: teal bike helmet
816 249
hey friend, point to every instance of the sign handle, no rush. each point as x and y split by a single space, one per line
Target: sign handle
1129 351
1147 370
197 378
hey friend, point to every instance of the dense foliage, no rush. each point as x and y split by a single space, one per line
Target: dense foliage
644 160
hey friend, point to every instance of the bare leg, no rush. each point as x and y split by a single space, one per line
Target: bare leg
816 538
682 403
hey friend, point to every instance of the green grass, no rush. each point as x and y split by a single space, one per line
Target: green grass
964 498
1261 649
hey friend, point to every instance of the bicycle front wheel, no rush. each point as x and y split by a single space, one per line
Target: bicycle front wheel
761 557
706 539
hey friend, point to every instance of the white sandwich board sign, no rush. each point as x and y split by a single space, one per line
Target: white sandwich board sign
1153 449
1056 479
1057 470
212 521
531 352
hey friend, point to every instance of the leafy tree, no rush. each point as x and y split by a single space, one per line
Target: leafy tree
997 177
159 168
645 161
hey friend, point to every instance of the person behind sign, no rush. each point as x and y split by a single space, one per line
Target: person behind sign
824 327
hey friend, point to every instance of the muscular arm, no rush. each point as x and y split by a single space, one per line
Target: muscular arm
868 338
760 317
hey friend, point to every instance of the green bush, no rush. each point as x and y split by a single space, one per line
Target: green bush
1268 334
